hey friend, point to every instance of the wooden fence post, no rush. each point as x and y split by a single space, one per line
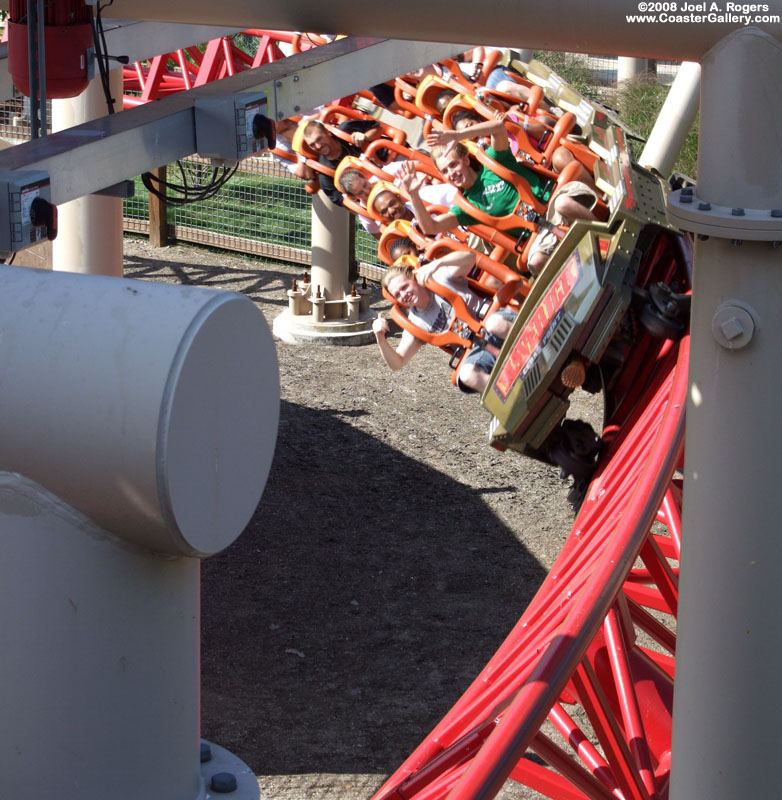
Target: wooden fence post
158 217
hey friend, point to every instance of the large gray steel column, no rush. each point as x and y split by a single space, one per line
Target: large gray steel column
138 424
727 734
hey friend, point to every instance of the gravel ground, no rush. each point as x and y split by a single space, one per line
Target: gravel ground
391 552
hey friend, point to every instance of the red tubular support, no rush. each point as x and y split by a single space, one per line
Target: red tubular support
628 702
672 516
608 732
541 656
574 780
183 66
586 751
227 56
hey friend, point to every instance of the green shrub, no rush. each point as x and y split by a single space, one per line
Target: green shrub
639 102
574 71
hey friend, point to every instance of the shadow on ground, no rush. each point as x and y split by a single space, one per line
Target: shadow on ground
363 598
261 285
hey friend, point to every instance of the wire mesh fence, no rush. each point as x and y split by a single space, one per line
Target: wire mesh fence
605 69
261 211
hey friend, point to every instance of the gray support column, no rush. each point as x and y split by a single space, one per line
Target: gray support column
629 68
132 447
330 251
727 736
674 122
89 239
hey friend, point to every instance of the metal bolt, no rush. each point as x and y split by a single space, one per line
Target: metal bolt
223 782
278 84
279 115
685 198
775 245
702 237
733 326
736 242
295 78
776 212
297 108
206 752
687 191
737 212
704 206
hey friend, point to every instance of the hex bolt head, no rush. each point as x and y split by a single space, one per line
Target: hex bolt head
223 782
704 206
776 212
206 752
733 326
737 212
685 198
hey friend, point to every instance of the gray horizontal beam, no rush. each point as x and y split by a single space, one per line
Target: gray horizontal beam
597 26
92 156
142 40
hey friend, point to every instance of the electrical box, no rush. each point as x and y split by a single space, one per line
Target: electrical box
27 215
231 127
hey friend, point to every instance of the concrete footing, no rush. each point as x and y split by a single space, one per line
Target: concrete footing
303 328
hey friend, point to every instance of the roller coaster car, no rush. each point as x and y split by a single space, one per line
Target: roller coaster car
608 286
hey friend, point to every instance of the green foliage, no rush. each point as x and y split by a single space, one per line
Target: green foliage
247 43
639 102
572 70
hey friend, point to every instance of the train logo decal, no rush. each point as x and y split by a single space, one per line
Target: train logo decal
538 330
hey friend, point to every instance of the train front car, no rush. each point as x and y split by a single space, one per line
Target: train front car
607 301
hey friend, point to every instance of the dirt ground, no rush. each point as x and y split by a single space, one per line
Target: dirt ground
391 552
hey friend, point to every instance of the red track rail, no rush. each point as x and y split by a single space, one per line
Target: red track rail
184 69
585 679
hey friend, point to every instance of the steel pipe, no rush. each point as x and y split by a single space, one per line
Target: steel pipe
150 408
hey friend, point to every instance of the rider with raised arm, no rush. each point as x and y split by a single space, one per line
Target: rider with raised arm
434 314
489 192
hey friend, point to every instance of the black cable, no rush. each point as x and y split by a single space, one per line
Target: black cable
187 193
101 54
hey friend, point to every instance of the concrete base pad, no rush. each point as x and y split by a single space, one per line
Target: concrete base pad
295 329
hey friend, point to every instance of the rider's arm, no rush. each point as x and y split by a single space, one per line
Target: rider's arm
457 263
408 347
494 128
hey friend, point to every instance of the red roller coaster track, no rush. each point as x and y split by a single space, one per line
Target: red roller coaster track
185 69
577 702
